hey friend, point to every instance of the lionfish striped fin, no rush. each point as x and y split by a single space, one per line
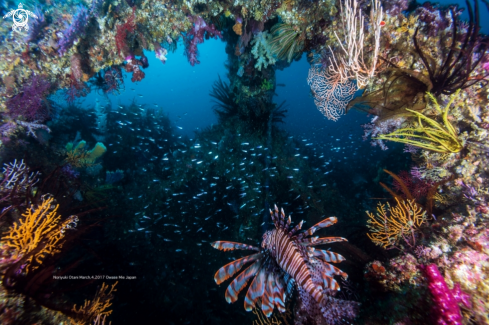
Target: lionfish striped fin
232 268
308 241
230 245
274 216
296 228
315 291
240 282
322 224
279 294
256 290
327 256
283 221
267 302
330 283
320 241
330 270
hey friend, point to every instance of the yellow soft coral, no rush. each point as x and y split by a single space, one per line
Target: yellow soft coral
38 233
389 225
96 309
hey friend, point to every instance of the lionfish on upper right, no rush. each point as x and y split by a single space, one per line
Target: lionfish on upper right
287 259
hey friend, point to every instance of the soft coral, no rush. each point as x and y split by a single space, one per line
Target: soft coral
196 36
31 102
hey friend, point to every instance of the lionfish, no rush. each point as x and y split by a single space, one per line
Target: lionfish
285 257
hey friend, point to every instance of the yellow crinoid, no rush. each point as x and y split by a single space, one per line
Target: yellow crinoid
428 133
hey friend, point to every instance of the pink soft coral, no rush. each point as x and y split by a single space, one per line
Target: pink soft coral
445 301
196 36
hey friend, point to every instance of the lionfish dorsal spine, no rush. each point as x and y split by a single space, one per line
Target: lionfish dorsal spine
289 221
274 216
282 219
296 228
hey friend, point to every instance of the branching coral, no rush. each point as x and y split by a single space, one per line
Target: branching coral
435 136
391 225
97 308
38 233
17 181
350 62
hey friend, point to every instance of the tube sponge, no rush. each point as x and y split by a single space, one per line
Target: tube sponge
97 151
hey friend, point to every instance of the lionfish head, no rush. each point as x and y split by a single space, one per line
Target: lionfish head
265 243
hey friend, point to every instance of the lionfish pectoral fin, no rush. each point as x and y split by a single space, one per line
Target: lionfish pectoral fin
323 240
267 299
233 267
255 291
327 256
279 294
330 270
322 224
330 283
229 246
240 282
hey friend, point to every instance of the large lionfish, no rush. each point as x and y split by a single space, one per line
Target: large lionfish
285 257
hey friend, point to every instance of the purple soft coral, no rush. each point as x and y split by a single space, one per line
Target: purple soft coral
31 101
36 26
196 36
445 300
74 31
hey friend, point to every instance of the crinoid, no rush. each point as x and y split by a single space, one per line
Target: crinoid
428 133
456 67
225 104
287 41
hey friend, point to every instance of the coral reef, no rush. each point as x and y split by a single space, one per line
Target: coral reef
446 310
423 72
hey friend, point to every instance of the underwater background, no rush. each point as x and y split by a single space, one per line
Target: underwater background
142 140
